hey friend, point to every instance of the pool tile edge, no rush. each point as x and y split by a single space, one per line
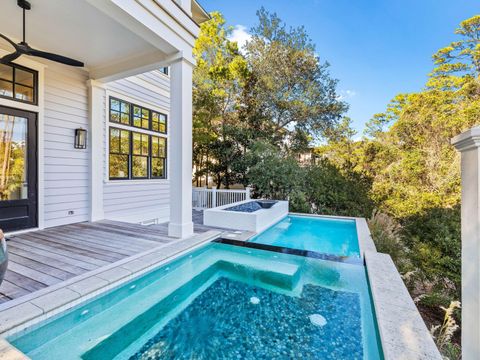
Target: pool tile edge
403 333
10 352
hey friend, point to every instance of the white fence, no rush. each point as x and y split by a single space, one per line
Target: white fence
204 198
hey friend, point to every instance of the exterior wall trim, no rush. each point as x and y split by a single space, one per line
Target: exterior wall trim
95 98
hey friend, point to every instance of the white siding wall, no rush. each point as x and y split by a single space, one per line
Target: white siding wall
66 169
138 200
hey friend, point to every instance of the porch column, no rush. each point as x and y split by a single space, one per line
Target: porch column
180 149
468 143
95 142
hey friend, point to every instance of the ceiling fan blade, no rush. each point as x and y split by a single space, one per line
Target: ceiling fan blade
10 41
54 57
10 57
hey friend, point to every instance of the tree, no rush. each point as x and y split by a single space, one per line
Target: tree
279 93
274 173
414 169
458 63
292 87
218 79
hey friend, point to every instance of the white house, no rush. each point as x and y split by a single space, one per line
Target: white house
133 97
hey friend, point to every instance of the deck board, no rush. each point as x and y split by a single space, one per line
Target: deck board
47 269
49 257
94 236
42 258
83 249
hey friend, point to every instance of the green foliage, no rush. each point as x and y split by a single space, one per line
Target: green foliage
274 174
218 80
277 92
386 233
330 191
292 85
321 188
434 237
458 63
434 299
444 332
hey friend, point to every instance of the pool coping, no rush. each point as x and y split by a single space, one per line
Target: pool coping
403 333
20 314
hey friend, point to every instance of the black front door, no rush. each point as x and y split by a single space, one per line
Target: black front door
18 169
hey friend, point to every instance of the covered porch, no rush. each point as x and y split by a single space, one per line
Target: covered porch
121 43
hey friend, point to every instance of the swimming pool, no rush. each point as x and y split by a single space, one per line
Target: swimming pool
325 235
220 301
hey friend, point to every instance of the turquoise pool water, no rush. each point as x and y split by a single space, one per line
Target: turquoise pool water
220 302
323 235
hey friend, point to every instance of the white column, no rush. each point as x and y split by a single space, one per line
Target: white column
95 142
468 143
180 150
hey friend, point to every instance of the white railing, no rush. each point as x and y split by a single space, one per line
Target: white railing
203 198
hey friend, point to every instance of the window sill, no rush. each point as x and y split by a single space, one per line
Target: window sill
135 182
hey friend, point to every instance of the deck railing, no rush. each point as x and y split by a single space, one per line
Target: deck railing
203 198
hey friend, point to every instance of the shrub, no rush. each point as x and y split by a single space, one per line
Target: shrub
444 332
333 192
434 237
385 232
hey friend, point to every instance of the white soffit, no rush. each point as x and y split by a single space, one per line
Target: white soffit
76 29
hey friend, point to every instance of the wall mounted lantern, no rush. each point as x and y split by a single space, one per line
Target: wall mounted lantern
80 138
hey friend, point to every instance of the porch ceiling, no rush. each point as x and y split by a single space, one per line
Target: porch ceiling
94 32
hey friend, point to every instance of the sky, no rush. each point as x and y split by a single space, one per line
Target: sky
376 48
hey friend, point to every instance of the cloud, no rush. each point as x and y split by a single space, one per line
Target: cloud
346 94
240 35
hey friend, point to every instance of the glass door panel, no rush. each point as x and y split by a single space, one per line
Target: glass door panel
18 169
13 157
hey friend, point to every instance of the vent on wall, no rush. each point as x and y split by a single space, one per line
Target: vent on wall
150 222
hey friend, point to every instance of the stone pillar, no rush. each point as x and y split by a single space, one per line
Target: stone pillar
180 149
95 144
468 143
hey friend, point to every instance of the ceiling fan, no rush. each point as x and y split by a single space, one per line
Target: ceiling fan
23 48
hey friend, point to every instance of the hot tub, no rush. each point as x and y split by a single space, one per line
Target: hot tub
250 215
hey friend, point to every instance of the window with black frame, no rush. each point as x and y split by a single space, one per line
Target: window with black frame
159 122
135 152
119 111
159 157
119 159
140 155
141 117
18 83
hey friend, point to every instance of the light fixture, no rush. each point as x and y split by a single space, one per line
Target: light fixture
80 138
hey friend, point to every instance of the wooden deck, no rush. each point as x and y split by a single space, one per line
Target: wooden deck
42 258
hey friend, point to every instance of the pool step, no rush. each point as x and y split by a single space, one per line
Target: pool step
280 274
